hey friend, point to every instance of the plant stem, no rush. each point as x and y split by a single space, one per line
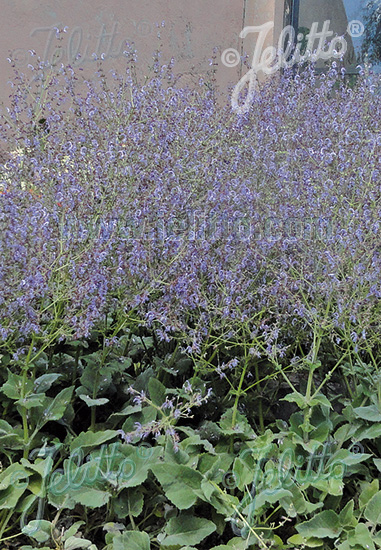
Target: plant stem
76 362
238 394
7 516
260 406
24 411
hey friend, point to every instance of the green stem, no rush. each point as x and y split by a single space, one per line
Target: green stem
76 362
260 406
105 354
7 516
328 376
94 396
171 362
238 394
24 411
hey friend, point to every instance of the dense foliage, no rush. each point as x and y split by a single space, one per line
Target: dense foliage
169 272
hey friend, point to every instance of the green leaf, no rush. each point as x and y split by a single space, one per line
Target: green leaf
368 490
224 503
178 456
377 463
12 476
321 432
207 488
58 497
241 474
5 428
270 496
156 391
346 515
324 524
297 504
14 384
236 543
241 425
31 400
39 473
312 365
186 528
92 498
44 382
9 497
13 483
346 457
126 411
141 382
57 407
145 416
371 413
25 503
88 440
129 501
11 438
113 527
208 465
179 483
321 400
298 398
38 529
89 376
377 538
131 540
363 537
94 402
75 542
194 441
209 430
73 530
372 432
373 509
124 465
344 433
312 542
78 343
332 485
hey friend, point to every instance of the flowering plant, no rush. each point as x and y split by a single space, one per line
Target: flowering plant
167 239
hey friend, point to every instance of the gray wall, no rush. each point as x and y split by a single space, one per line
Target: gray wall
192 29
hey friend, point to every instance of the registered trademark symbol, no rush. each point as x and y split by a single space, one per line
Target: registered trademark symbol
355 28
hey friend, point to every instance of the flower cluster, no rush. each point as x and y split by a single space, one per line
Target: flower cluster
159 200
170 412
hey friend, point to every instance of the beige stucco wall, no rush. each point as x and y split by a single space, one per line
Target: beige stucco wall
257 13
192 29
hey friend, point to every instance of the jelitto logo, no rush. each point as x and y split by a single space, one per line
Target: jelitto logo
271 59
